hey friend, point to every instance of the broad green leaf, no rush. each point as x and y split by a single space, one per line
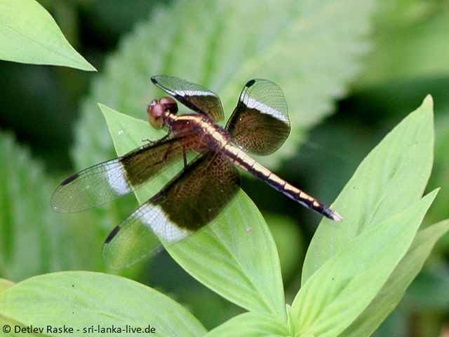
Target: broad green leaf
225 256
28 34
33 239
393 290
85 299
310 48
251 324
345 285
389 179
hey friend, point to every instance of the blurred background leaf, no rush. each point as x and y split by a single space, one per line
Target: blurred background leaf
314 50
307 47
34 239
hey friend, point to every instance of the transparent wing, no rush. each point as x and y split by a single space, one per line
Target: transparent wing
260 122
193 96
106 181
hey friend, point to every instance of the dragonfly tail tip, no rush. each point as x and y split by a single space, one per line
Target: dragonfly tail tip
335 216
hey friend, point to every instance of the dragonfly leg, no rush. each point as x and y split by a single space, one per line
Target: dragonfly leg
152 142
184 156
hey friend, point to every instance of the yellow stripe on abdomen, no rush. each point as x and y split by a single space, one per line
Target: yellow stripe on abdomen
241 159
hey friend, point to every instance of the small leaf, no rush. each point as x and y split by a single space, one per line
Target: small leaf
389 179
393 290
347 283
251 324
28 34
84 300
235 255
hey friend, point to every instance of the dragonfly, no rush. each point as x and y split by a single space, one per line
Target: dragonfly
258 125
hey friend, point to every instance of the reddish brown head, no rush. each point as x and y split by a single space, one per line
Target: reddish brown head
157 109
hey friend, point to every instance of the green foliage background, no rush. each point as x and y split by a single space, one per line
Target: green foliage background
350 71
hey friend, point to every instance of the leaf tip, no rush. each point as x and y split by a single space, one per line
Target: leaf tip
90 67
428 102
104 109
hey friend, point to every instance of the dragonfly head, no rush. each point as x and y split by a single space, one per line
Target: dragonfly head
158 108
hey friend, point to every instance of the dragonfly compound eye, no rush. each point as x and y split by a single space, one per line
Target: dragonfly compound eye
169 104
155 113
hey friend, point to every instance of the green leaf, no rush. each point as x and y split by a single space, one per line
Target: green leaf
389 179
393 290
84 299
5 284
33 239
345 285
310 48
28 34
225 256
128 132
251 324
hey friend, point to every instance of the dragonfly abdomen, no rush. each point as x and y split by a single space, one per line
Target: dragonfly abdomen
247 163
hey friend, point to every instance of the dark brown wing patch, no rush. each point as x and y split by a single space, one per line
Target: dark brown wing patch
260 123
189 202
